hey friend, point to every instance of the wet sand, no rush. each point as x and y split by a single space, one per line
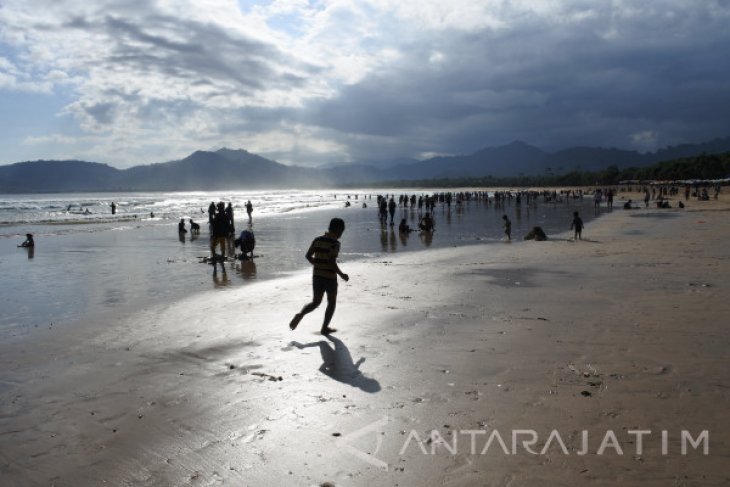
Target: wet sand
98 272
623 331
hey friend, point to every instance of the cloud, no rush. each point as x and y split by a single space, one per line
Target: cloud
53 138
552 79
13 79
339 80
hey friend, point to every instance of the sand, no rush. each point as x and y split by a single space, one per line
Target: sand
624 331
92 273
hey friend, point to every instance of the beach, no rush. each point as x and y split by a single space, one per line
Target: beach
91 268
623 332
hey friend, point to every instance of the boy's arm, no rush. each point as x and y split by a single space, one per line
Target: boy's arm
310 254
340 273
333 261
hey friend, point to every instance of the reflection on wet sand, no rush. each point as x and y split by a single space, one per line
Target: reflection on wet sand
248 269
427 238
220 279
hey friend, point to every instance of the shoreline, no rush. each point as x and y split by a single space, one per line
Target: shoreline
468 338
75 278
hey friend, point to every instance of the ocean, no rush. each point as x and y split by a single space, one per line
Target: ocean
91 266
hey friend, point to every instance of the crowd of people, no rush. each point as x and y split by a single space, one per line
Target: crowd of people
223 239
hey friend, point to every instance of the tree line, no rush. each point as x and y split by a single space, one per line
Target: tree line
704 166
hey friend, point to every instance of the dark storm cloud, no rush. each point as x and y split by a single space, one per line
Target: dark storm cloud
359 80
593 81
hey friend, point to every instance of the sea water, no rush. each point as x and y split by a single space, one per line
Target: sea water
95 266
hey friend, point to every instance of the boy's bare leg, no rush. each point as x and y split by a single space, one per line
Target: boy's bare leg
316 301
329 312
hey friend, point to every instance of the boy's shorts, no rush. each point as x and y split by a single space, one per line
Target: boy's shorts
321 285
215 241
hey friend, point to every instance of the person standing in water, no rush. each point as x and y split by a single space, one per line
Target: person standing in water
211 213
249 210
577 225
507 227
391 209
29 242
218 237
229 217
322 254
114 208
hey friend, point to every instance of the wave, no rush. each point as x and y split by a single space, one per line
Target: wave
70 209
74 221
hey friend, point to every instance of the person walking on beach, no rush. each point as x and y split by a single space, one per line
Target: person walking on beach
229 217
249 210
383 211
597 198
322 254
391 209
507 227
114 208
211 213
577 225
218 237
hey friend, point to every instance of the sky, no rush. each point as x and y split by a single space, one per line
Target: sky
306 82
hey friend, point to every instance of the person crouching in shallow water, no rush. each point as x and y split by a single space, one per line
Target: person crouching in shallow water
322 254
577 225
536 233
247 242
426 223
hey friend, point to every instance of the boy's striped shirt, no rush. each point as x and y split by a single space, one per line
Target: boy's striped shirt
325 252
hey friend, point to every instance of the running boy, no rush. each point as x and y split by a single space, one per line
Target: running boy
322 254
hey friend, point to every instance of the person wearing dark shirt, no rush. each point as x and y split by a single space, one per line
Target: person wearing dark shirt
249 210
247 242
577 225
507 227
229 217
403 227
218 235
426 223
28 241
391 209
211 212
322 254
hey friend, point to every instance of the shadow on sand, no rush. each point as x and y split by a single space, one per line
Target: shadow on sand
337 363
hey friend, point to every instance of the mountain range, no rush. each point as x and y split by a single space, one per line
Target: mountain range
239 169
